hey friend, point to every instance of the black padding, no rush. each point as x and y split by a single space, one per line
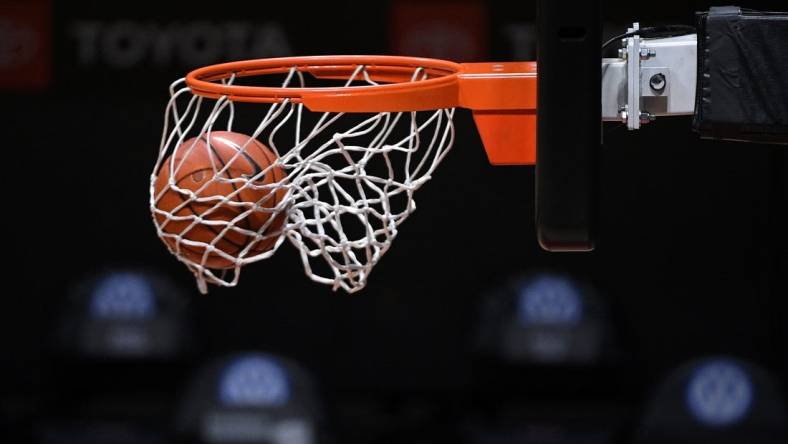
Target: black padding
568 124
742 91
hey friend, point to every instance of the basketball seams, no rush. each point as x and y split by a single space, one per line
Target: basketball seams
270 158
224 165
226 244
209 227
263 245
190 207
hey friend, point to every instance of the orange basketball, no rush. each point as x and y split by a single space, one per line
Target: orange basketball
196 164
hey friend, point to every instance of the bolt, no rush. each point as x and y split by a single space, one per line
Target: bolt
646 117
622 113
646 53
657 82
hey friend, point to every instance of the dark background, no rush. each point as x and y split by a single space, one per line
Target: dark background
691 258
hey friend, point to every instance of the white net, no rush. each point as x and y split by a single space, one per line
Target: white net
337 188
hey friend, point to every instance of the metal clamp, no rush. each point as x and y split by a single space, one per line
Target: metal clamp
650 78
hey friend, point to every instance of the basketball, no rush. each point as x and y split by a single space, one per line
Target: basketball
208 195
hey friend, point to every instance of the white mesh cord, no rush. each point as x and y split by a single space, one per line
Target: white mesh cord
349 182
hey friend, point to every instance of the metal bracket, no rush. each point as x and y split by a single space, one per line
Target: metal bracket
632 106
650 78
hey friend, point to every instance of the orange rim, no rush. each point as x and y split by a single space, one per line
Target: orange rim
396 93
501 95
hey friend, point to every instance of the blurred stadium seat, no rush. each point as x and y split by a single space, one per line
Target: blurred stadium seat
250 397
122 342
545 371
716 399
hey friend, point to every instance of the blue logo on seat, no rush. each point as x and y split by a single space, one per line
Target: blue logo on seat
254 381
549 300
123 296
719 393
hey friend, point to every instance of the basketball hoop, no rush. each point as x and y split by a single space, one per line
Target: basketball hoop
331 168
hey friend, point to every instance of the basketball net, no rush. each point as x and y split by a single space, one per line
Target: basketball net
350 179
